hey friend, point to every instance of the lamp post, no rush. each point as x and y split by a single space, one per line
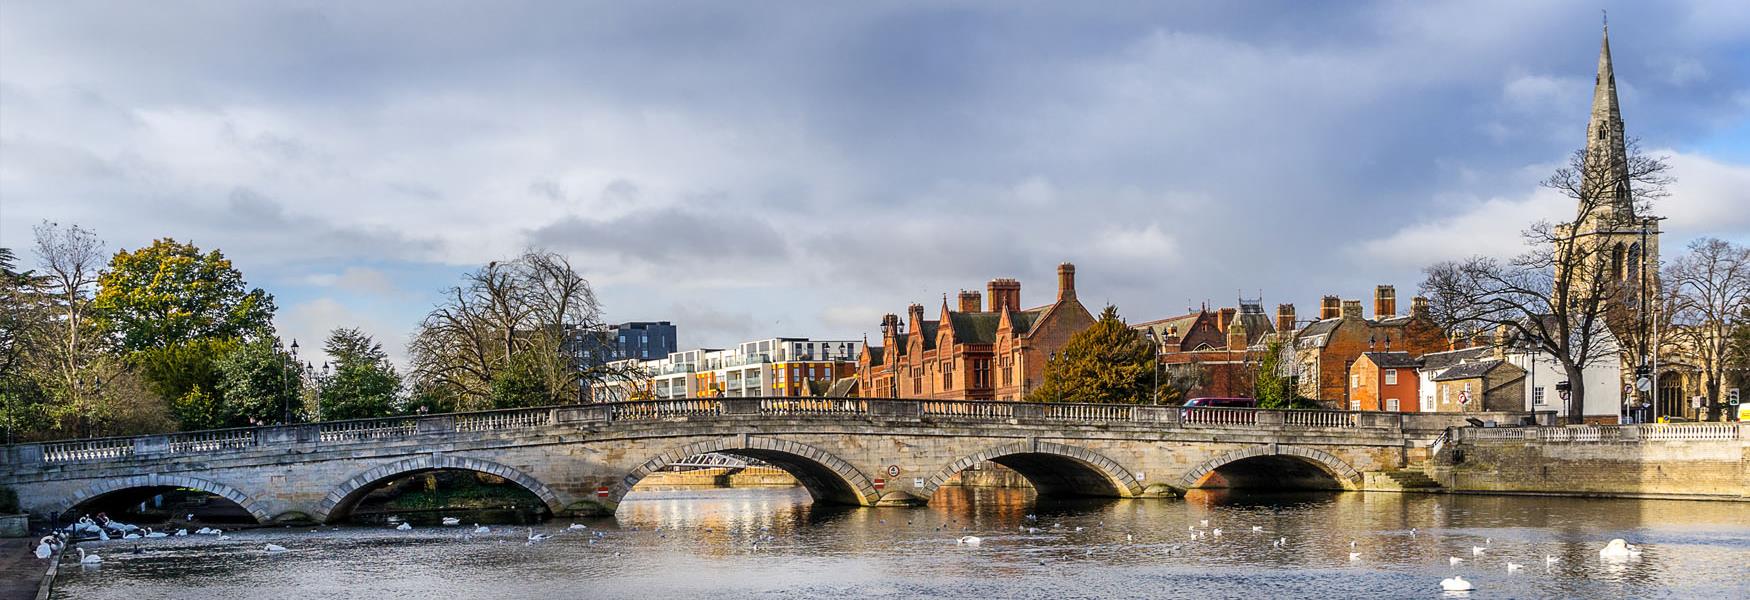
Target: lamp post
285 395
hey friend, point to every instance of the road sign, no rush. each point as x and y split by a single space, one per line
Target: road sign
892 470
880 483
917 482
601 492
1644 384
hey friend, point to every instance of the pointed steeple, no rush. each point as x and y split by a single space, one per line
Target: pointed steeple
1606 149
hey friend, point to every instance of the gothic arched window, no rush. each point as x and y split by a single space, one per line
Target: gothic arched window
1616 261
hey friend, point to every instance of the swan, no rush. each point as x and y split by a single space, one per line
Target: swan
1257 528
223 537
478 528
971 540
1477 550
189 518
1550 560
577 527
275 548
89 559
44 549
403 526
1206 522
181 532
1514 567
156 534
131 536
102 535
1456 584
1216 532
1453 560
1619 549
1129 539
1351 544
536 537
451 521
1354 556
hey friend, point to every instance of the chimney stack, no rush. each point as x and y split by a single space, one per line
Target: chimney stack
1419 306
1226 318
1285 318
1351 309
890 324
1385 302
1330 308
1005 294
969 300
1066 282
916 313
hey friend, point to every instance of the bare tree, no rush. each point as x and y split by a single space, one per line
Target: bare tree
69 259
1709 294
511 329
1559 297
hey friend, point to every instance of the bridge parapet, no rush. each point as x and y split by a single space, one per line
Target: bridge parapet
573 418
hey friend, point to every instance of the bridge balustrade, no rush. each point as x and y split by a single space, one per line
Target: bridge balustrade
998 411
665 409
374 429
1321 418
1219 416
1607 433
503 420
1086 412
210 441
77 450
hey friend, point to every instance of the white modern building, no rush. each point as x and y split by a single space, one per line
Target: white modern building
1543 380
768 367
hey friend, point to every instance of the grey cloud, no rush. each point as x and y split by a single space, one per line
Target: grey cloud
668 236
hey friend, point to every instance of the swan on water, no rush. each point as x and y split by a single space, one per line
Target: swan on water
156 534
577 527
181 532
1619 549
451 521
88 559
102 535
223 537
1216 532
971 540
536 537
1453 560
478 528
1514 567
1456 584
275 548
1256 528
1477 550
131 536
403 527
1550 560
1354 556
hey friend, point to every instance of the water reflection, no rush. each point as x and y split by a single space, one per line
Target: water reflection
774 543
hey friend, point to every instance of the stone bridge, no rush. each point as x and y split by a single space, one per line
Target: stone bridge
861 451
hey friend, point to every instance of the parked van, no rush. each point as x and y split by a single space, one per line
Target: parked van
1222 402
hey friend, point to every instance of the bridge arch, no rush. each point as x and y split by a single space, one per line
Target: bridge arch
340 501
825 476
109 486
1054 470
1276 465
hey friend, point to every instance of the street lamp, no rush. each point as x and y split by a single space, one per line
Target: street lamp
285 395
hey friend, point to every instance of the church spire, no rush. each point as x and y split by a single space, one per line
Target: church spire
1606 150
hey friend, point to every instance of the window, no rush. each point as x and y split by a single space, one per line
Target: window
1391 405
1537 395
1391 376
1354 405
1428 402
1354 380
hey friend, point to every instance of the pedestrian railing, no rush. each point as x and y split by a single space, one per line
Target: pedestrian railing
541 419
1607 433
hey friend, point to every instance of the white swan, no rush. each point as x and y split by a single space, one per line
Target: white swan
403 526
452 521
156 534
971 540
102 534
478 528
1514 567
1354 556
1257 528
1216 532
89 559
1456 584
577 527
1619 549
1477 550
223 537
275 548
536 537
44 550
131 536
1453 560
1550 560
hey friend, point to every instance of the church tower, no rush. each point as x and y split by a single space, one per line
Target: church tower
1607 227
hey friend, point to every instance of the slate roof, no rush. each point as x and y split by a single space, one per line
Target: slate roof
1160 327
974 327
1023 321
1468 370
843 388
875 353
1257 325
929 330
1440 360
1393 360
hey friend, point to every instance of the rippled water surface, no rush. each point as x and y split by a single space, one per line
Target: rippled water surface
715 544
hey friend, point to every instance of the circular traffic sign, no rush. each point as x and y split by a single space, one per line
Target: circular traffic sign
892 470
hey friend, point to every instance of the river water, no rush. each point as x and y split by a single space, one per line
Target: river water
773 543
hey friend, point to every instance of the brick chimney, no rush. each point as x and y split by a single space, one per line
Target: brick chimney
1330 308
1236 334
1226 318
1351 309
1385 302
1419 306
1066 282
1285 318
969 300
916 314
1005 293
890 324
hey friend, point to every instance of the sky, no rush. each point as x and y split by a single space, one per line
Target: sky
759 169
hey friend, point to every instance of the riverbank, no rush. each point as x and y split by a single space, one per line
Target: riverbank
22 574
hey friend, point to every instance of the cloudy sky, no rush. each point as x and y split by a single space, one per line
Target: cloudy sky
760 169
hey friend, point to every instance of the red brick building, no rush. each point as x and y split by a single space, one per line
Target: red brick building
1326 349
1385 381
998 353
1218 341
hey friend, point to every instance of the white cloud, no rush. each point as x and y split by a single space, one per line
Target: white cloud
1140 243
310 323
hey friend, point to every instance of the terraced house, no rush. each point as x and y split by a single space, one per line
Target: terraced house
998 353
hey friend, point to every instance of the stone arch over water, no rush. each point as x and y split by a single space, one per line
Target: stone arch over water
1054 470
145 482
340 501
827 478
1276 466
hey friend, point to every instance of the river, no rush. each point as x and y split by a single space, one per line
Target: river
773 543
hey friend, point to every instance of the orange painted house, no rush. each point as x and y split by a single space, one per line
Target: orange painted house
1384 381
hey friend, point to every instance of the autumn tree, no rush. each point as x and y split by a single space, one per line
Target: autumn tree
505 336
170 293
1106 363
1708 297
